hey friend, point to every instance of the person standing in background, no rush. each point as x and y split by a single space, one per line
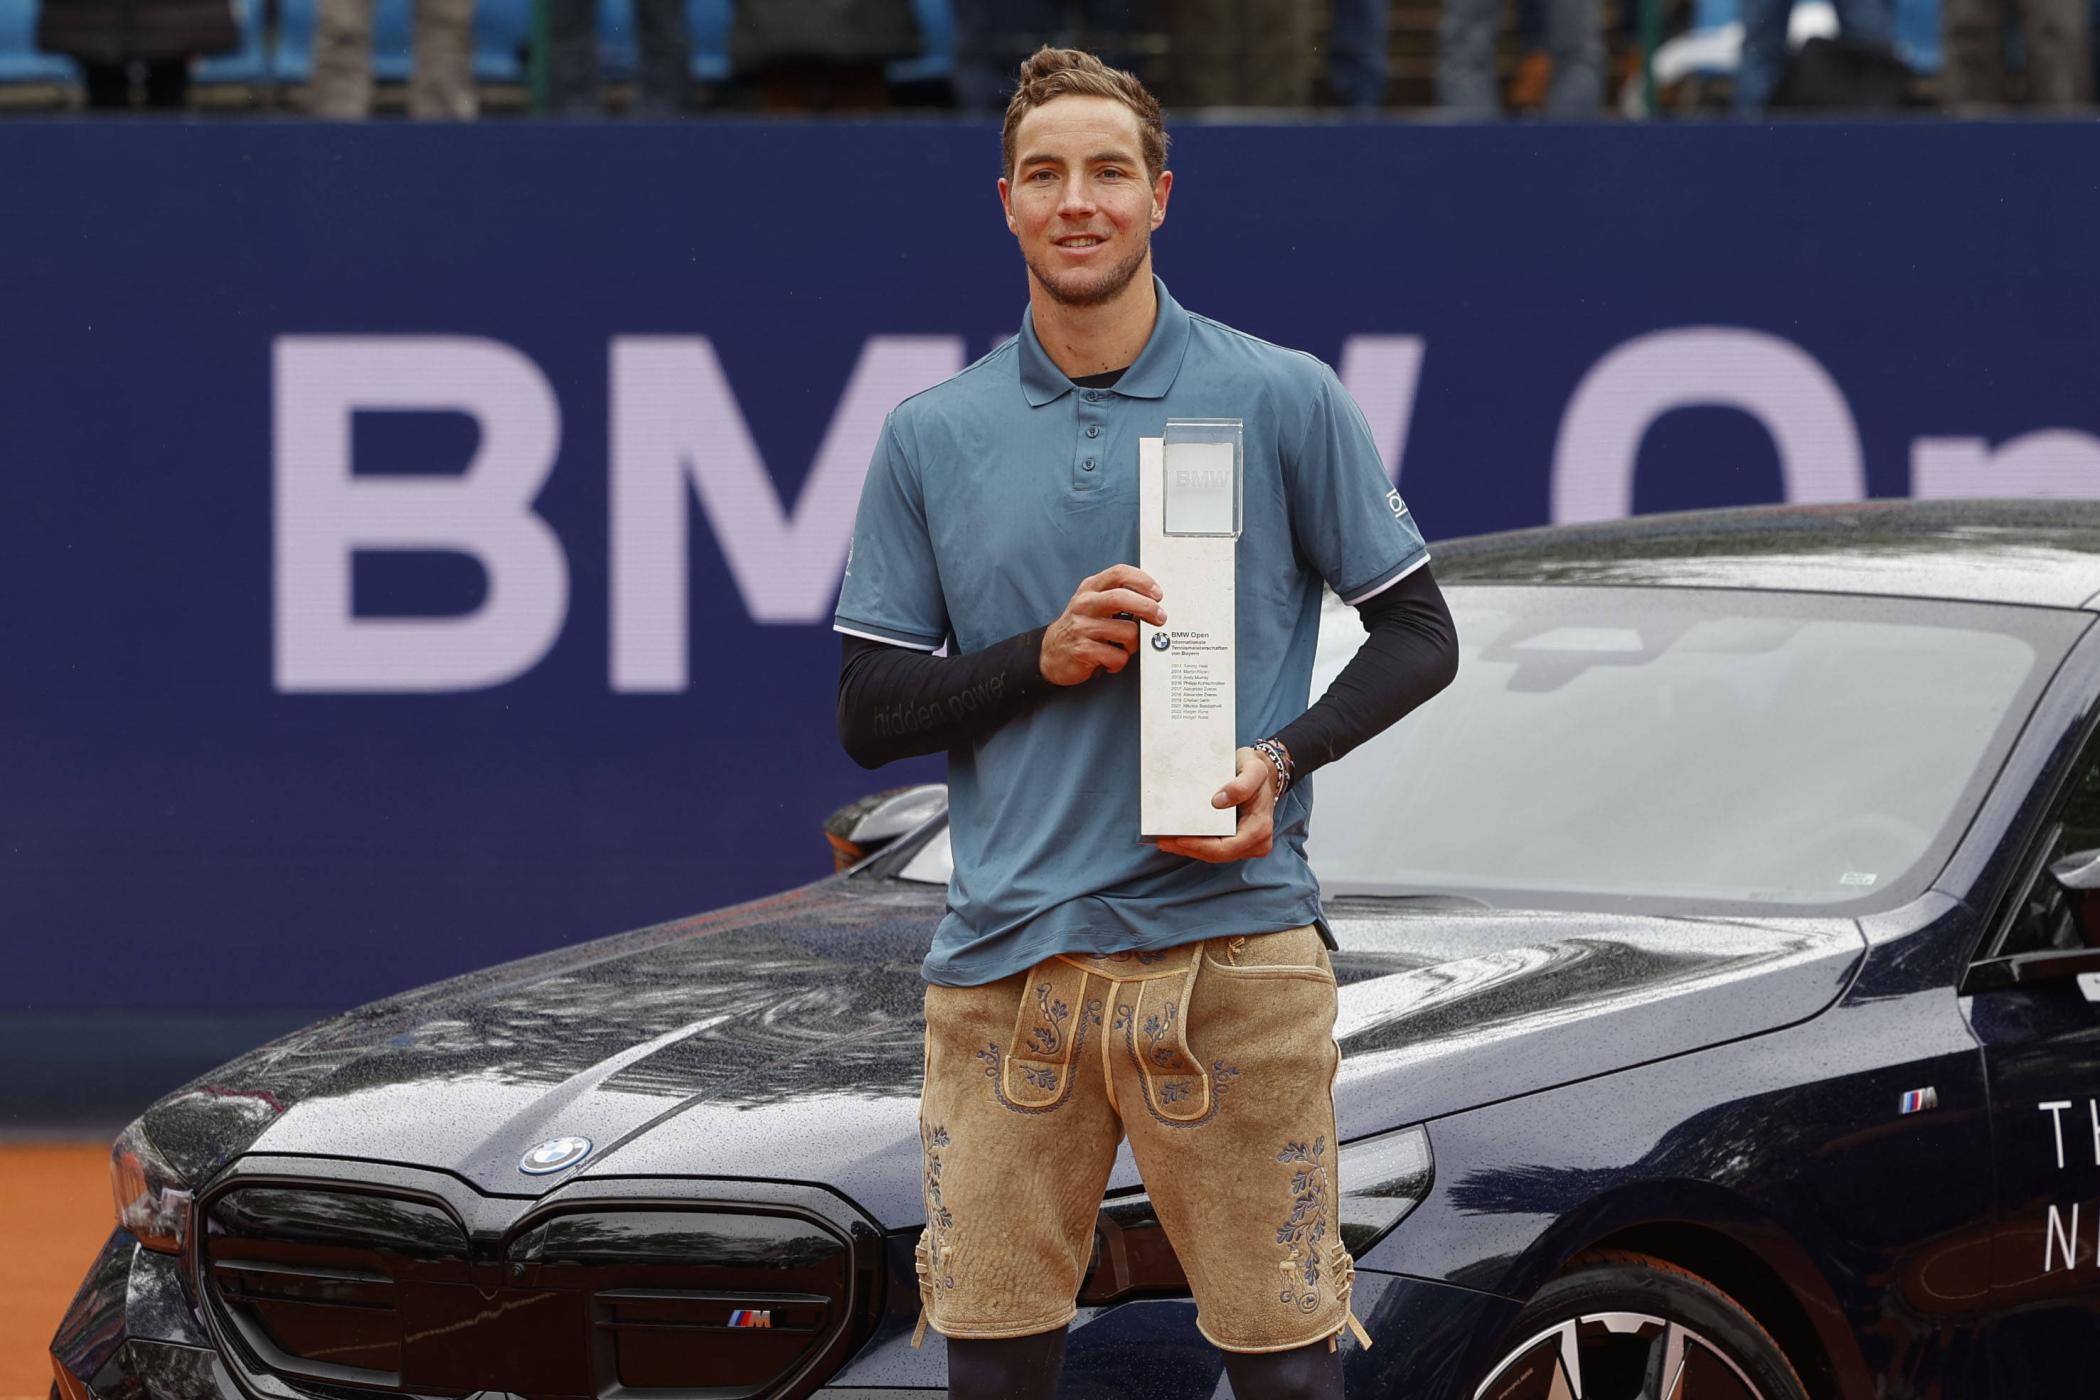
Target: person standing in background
1356 53
1765 46
1240 53
1466 82
2058 37
663 50
821 55
109 38
991 40
441 88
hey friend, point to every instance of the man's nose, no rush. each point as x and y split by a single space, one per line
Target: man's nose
1077 197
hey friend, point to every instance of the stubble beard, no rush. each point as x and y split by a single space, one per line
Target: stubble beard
1106 290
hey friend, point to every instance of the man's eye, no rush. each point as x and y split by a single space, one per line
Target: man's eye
1040 176
1111 174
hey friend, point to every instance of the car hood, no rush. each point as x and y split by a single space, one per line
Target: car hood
783 1039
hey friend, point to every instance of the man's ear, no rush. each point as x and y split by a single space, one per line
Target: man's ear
1161 187
1006 204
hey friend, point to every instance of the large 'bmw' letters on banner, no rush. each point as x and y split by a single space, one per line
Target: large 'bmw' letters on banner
676 427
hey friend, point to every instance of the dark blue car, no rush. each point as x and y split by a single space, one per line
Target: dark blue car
1720 996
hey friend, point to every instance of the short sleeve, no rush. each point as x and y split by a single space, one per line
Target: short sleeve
892 591
1348 519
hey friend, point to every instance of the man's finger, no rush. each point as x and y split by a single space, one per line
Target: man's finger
1215 849
1108 602
1244 785
1125 576
1106 655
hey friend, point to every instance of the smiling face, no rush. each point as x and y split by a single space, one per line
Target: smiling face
1078 199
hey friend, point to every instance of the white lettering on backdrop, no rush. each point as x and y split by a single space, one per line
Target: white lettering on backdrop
2052 462
1773 380
675 420
325 513
676 427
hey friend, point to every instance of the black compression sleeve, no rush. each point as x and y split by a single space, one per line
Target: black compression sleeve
1410 654
895 702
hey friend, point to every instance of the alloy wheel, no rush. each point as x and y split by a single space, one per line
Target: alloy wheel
1617 1356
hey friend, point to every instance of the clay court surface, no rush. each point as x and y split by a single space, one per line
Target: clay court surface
54 1213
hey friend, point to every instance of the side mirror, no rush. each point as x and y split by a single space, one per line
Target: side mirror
2078 876
865 825
2078 871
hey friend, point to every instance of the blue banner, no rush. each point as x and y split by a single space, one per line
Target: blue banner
420 542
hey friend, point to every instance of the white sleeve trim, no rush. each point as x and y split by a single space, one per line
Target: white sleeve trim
1376 589
892 641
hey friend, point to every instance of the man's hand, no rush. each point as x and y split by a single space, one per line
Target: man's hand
1089 636
1253 791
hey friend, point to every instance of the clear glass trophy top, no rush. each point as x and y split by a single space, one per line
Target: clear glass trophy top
1203 459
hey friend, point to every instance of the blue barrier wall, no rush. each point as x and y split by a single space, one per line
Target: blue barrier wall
226 350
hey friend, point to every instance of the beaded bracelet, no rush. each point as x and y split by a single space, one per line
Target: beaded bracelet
1280 759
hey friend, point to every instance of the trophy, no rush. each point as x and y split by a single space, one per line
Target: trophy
1189 490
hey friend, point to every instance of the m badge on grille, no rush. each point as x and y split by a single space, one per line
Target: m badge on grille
751 1317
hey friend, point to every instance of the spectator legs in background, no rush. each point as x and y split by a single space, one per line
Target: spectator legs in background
1765 48
1575 43
168 82
665 57
1972 54
1465 59
1764 54
341 87
990 42
2059 66
1356 53
106 85
1240 53
663 47
441 85
993 36
572 57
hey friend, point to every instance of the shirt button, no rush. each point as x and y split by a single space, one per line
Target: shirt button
1093 431
1091 396
1087 465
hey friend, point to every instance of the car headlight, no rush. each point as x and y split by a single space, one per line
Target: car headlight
152 1202
1383 1178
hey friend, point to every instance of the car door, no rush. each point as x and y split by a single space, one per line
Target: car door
2036 1009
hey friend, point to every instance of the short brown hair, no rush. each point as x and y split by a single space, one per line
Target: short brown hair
1050 73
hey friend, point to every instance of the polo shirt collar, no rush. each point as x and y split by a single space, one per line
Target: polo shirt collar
1149 376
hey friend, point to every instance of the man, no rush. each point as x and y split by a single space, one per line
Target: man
1064 1010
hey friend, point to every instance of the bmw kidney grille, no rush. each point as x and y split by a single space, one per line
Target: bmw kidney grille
328 1287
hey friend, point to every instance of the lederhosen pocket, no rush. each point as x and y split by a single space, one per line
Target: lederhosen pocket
1151 999
1050 1027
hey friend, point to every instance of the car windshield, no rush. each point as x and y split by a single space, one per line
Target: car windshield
1671 748
1677 749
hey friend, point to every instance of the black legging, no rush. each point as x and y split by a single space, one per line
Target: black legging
109 84
1027 1368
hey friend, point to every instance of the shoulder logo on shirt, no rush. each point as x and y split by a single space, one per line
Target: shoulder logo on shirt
1160 641
1398 506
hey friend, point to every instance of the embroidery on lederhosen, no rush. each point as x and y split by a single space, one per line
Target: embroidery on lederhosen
936 1256
1038 1075
1177 1089
1306 1229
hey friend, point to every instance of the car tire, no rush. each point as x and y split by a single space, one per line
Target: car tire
1630 1326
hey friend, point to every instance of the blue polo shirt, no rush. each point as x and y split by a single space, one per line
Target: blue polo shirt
990 496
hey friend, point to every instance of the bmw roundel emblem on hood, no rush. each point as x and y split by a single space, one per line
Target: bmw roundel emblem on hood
554 1154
